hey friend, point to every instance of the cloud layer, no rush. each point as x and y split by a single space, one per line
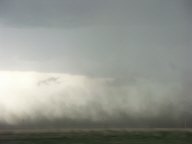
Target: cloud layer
32 98
87 63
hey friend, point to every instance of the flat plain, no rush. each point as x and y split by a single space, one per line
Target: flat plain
97 136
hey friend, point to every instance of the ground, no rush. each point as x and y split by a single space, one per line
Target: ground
97 136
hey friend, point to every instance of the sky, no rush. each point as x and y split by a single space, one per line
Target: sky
93 62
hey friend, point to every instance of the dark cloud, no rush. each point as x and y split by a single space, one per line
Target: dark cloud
49 80
77 13
48 13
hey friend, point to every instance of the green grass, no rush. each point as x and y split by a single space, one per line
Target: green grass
113 136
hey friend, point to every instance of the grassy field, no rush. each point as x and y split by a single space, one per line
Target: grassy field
98 136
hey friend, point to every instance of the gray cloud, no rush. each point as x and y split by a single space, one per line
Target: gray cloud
48 13
105 37
142 45
105 51
48 81
75 13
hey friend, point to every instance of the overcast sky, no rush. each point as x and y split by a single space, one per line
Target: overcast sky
146 40
100 38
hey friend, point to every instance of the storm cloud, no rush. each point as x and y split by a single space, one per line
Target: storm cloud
127 61
40 99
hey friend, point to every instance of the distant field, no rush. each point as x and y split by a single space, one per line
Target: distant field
97 136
